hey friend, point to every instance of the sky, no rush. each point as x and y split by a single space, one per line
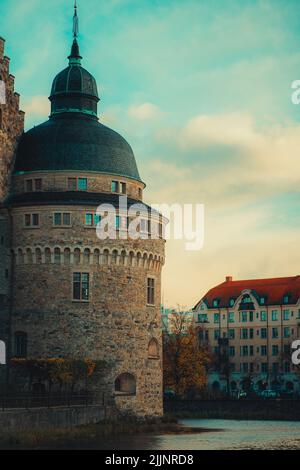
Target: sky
201 89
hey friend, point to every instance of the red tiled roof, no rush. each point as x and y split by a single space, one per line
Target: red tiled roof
272 289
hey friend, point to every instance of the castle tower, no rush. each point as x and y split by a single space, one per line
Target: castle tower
11 121
11 128
76 295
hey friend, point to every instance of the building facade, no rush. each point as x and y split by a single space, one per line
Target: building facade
249 327
69 293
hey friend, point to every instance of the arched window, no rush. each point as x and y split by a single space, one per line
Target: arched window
2 353
29 256
57 257
38 256
20 256
126 384
153 350
76 256
114 257
20 344
86 256
67 256
96 256
47 255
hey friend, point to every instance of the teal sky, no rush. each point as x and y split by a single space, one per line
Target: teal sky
202 91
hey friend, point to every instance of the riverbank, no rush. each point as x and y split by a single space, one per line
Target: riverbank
88 437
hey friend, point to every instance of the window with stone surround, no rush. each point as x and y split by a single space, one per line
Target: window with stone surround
62 219
33 185
150 291
20 344
125 384
31 220
118 187
77 184
81 286
91 219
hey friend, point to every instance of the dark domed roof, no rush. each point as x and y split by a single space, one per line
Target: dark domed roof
75 142
74 79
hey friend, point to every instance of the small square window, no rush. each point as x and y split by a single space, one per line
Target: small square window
72 185
82 184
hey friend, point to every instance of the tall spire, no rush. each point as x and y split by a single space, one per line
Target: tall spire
75 57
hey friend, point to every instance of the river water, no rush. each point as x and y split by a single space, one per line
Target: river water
218 435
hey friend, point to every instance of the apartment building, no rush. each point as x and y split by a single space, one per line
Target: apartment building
249 326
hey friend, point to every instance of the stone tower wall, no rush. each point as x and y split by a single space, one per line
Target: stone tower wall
11 121
116 324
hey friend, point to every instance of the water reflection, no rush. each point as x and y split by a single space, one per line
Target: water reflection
231 434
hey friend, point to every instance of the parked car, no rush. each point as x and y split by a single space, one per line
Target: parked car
242 394
269 394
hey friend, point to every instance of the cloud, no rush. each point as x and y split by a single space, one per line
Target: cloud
144 112
36 106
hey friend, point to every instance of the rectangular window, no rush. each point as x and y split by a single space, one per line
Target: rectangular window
274 332
274 315
263 333
216 334
244 333
202 318
244 317
231 351
231 333
216 318
275 350
114 187
245 367
244 350
286 314
286 332
62 219
263 350
263 315
21 344
231 317
217 350
250 316
32 220
57 218
89 220
287 367
287 349
251 350
150 290
81 286
38 184
82 184
29 186
264 367
118 222
72 184
275 367
123 188
251 333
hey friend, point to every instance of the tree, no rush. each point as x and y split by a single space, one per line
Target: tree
184 359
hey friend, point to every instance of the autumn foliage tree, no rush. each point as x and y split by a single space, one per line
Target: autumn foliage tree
184 359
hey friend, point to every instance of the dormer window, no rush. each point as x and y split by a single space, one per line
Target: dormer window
286 299
215 302
231 302
262 301
247 299
33 185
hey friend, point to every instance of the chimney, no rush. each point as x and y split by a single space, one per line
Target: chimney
229 278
